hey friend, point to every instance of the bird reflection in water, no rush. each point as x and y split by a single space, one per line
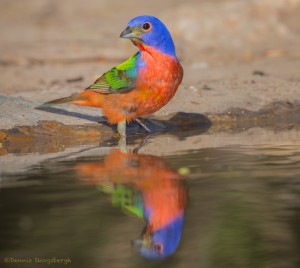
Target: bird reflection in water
146 186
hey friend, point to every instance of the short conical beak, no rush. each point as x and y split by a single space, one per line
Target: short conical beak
137 244
127 33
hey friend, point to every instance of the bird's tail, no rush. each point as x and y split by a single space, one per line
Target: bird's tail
85 98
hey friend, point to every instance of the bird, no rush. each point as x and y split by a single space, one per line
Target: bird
142 84
146 186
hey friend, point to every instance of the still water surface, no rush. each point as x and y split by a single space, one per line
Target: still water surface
215 207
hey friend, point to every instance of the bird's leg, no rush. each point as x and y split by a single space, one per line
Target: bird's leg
143 125
123 144
122 132
122 128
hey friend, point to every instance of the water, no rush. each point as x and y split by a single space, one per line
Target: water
234 205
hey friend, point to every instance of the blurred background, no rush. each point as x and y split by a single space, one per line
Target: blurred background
78 40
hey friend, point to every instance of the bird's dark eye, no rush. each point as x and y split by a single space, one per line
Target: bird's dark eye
147 27
157 247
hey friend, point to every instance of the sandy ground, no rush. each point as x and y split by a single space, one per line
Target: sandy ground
235 53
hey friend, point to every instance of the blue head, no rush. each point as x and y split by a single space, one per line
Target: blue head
150 31
163 242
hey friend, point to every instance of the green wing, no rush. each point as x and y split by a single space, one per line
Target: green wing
120 79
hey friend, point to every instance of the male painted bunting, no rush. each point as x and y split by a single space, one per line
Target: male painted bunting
142 84
148 187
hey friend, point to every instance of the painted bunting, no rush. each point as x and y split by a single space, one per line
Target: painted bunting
142 84
148 187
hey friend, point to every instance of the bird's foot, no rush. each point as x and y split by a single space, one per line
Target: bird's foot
122 136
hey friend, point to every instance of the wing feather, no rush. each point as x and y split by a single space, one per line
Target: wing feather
120 79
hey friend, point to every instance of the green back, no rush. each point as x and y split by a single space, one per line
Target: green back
120 79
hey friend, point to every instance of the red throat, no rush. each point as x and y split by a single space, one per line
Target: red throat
139 44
